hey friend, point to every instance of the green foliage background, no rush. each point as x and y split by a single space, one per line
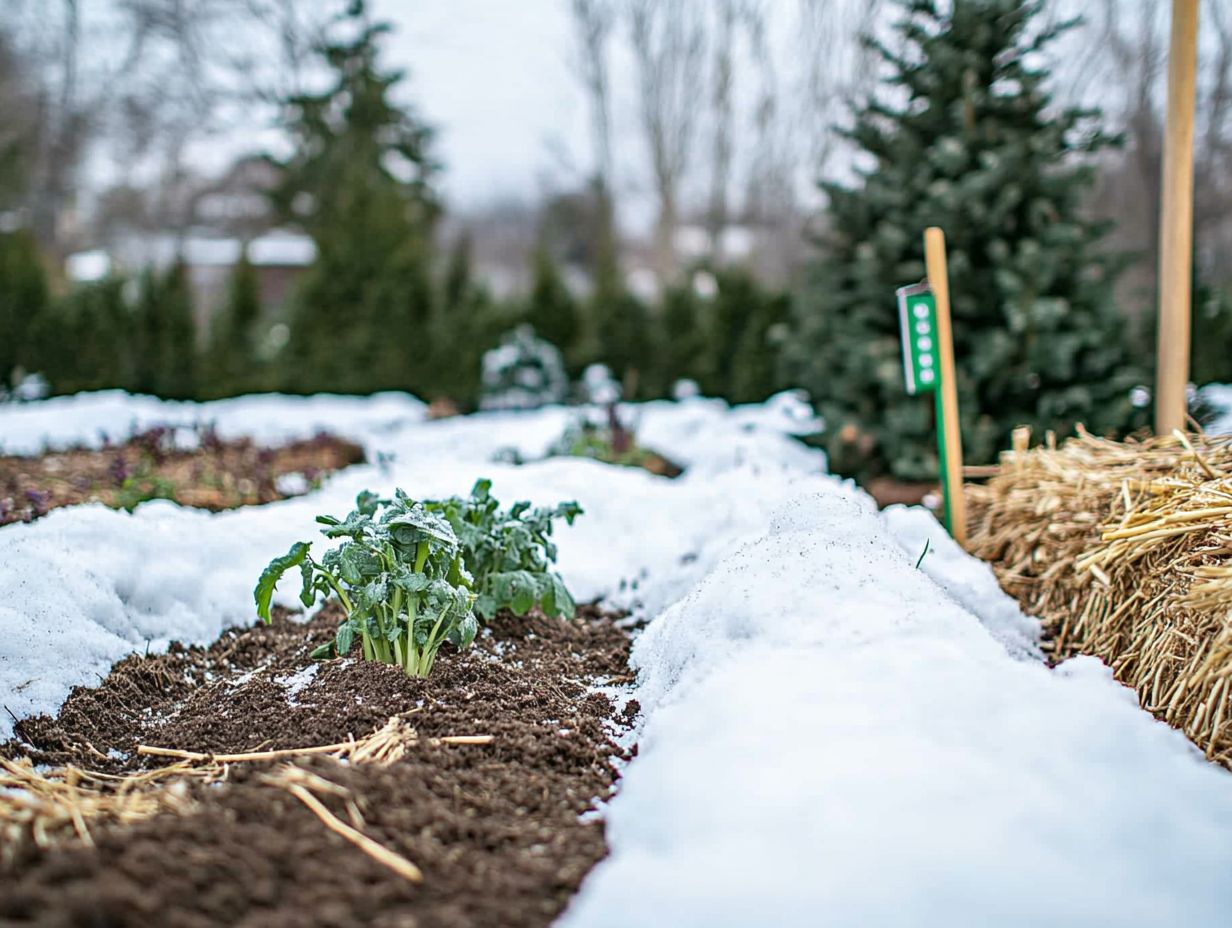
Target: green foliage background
965 135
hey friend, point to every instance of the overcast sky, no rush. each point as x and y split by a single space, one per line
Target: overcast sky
495 80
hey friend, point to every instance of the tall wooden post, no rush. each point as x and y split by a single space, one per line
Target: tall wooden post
1176 222
951 437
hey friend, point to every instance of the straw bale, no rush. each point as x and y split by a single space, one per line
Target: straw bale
1124 551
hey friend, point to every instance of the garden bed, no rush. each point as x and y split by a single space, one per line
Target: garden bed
214 475
497 827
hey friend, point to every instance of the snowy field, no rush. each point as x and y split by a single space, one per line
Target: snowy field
830 735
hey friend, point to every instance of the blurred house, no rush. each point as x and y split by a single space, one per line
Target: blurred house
278 256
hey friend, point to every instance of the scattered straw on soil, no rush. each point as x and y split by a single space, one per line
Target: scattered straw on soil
1124 550
46 806
49 806
485 775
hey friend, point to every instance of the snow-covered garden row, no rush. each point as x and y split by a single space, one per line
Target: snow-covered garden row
831 734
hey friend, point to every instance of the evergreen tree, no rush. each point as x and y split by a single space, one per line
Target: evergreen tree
1212 335
973 143
752 373
147 333
359 184
84 342
468 323
231 364
622 336
165 335
23 299
682 351
177 372
551 308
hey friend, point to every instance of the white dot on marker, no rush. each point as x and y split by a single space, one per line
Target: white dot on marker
924 343
921 311
922 328
926 376
926 360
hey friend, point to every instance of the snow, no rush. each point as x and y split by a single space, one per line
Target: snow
830 735
296 683
87 266
282 249
88 585
1219 395
90 419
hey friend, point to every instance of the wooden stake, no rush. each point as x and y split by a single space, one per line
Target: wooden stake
951 439
1176 222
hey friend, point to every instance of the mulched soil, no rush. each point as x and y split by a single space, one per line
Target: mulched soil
495 828
216 475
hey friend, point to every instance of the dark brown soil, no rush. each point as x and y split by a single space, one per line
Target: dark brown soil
494 828
887 491
216 475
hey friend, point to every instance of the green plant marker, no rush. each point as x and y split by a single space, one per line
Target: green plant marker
917 319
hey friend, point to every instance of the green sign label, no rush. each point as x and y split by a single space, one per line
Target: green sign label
917 316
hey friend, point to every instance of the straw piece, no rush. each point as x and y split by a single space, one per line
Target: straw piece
48 806
289 779
61 803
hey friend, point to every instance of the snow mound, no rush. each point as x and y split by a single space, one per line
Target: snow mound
832 738
91 419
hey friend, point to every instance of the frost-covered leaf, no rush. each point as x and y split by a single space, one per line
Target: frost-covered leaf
417 524
463 633
345 637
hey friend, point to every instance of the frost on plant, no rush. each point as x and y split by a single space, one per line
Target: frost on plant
510 552
399 576
523 372
412 575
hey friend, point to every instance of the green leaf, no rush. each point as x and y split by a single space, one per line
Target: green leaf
264 590
355 525
345 637
324 653
523 598
376 591
564 600
411 582
308 595
355 563
417 524
367 503
463 633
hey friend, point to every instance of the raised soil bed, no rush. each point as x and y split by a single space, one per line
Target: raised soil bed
215 475
499 829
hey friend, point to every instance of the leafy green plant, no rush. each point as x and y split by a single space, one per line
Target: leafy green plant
399 576
413 574
612 443
510 552
142 488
